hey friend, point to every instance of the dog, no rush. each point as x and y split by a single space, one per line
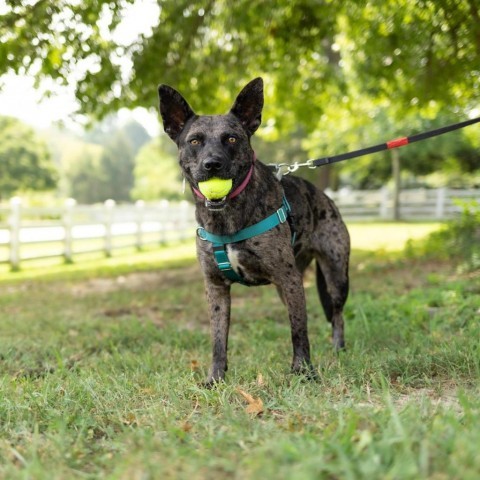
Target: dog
309 226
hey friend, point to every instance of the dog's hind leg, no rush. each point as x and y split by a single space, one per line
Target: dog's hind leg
332 286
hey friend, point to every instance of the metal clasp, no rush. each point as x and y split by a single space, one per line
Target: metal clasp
282 169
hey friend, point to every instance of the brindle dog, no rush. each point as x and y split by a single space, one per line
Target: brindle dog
219 146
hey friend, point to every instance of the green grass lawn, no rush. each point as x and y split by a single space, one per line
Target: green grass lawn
101 365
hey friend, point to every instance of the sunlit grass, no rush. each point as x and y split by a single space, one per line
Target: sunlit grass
101 367
388 237
88 265
391 236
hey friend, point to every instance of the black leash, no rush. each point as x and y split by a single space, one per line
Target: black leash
398 142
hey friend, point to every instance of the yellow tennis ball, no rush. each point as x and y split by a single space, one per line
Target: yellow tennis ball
215 188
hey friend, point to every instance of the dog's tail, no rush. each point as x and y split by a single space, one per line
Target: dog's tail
325 297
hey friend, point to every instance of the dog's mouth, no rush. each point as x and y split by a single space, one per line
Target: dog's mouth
216 205
216 192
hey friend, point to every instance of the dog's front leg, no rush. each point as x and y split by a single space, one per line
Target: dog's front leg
293 294
218 297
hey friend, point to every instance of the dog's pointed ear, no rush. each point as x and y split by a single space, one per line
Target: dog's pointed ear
249 104
175 111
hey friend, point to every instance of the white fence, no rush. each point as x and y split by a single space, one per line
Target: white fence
28 233
416 204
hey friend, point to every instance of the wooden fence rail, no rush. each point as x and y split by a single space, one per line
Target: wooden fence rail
28 233
415 204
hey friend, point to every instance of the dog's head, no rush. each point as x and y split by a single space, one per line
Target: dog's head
213 145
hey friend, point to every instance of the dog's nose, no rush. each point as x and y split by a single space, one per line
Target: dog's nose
212 163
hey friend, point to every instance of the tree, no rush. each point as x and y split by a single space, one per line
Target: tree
398 58
86 178
97 173
117 163
101 166
25 162
157 174
410 52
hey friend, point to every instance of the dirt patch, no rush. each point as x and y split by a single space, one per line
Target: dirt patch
446 399
400 276
138 281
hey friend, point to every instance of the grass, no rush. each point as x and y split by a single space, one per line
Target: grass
388 236
100 370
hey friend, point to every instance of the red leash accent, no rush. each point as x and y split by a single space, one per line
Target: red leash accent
398 142
239 189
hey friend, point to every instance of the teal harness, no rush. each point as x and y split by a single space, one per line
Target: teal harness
220 242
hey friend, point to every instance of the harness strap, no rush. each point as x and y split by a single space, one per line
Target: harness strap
221 241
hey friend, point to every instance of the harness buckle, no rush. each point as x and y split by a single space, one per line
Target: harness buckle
201 233
224 266
282 215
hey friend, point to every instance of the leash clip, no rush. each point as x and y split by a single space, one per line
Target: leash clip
293 168
282 169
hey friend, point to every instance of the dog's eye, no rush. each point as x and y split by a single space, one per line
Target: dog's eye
194 142
232 140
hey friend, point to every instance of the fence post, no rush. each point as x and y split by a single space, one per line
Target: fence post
15 221
164 206
440 203
140 207
384 197
68 227
109 206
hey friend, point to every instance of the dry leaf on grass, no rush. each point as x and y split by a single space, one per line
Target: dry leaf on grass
255 405
194 365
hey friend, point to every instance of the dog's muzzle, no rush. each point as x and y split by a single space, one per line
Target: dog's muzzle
216 205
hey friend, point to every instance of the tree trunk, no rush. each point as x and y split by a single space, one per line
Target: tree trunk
323 178
396 183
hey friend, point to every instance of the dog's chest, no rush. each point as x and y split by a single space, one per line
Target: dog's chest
245 263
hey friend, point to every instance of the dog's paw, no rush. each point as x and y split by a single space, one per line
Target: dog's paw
339 347
212 382
306 370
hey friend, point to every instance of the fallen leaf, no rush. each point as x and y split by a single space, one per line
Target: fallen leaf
130 419
194 365
255 405
186 426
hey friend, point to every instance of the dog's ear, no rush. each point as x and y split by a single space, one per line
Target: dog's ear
249 104
175 111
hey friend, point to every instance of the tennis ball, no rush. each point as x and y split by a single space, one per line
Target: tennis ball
215 188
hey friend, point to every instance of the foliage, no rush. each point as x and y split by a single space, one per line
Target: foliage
368 122
25 162
118 165
344 73
85 175
409 52
458 240
101 166
157 174
99 379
